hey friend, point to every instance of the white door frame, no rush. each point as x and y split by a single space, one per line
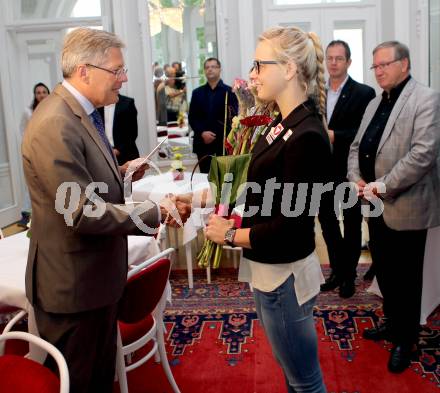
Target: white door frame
322 17
15 84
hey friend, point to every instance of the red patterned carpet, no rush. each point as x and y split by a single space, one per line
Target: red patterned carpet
216 344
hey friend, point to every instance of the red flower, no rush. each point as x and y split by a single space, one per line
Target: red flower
256 120
228 147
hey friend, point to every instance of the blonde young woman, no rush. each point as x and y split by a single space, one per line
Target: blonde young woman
279 245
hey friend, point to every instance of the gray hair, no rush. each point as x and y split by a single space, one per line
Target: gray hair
85 45
401 51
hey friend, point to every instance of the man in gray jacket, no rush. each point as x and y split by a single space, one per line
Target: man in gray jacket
395 156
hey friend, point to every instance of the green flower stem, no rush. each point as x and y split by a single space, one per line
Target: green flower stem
217 256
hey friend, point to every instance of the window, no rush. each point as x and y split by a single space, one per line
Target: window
305 2
52 9
304 26
353 36
6 196
182 31
434 44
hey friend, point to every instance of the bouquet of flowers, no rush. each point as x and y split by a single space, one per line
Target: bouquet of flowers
228 173
253 117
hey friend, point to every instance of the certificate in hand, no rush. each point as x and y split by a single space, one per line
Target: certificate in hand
139 162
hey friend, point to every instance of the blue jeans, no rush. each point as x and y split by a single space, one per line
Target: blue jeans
291 331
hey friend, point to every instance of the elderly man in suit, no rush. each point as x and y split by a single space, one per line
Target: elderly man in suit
346 103
77 263
121 128
395 156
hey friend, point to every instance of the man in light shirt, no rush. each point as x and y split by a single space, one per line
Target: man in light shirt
346 103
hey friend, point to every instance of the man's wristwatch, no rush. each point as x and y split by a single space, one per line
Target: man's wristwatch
229 236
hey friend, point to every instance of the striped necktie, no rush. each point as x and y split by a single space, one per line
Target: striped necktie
97 121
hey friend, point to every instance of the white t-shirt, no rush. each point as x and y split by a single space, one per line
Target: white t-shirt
266 277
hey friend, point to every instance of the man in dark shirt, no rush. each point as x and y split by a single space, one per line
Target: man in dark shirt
346 103
395 156
207 114
370 142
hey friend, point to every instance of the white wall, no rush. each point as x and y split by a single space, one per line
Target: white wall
242 21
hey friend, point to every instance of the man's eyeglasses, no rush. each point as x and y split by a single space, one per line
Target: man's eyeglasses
119 73
257 64
382 66
337 59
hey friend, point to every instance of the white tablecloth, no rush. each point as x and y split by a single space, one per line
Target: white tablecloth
182 141
181 131
13 259
157 187
431 276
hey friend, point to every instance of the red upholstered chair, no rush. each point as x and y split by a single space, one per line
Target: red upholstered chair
10 309
6 309
21 375
141 317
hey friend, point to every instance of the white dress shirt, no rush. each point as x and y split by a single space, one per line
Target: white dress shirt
83 101
89 108
333 97
109 114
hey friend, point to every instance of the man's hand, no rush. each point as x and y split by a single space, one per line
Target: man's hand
116 152
208 137
174 206
217 227
331 135
371 190
138 174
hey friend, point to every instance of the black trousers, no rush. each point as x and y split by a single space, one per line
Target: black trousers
172 115
343 250
88 342
398 257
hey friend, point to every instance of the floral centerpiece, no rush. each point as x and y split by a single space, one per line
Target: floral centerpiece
181 119
177 168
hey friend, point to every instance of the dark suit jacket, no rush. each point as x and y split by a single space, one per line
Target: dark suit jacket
345 122
303 158
125 129
202 119
78 264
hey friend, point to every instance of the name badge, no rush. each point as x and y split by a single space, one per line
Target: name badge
274 132
287 135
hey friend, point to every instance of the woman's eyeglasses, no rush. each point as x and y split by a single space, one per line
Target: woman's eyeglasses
257 64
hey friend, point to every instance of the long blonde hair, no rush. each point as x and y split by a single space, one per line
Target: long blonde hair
305 50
